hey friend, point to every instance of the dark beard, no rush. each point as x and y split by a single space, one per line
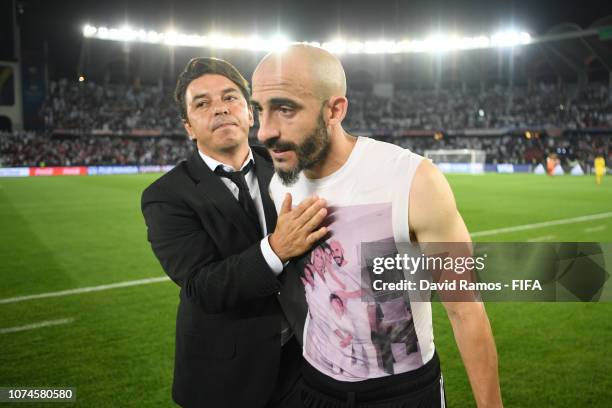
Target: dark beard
312 151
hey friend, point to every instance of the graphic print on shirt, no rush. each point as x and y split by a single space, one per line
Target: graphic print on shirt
351 333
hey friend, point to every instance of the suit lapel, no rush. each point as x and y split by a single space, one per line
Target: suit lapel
264 172
211 187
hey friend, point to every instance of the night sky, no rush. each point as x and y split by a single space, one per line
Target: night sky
60 23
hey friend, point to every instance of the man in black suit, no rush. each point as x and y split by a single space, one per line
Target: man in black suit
209 222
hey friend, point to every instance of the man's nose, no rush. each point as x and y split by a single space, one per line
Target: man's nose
220 108
267 129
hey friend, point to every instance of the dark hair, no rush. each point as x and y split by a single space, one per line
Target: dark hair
333 297
202 66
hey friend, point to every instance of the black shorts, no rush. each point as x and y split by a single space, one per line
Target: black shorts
422 388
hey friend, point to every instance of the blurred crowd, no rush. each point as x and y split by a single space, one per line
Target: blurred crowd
492 108
91 124
580 148
36 149
87 106
40 149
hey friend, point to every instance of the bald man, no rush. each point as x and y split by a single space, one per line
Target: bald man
371 350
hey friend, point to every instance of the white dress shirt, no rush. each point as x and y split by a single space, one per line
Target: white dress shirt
251 179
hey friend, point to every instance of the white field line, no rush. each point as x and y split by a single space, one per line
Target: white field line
38 325
526 227
540 239
164 279
85 290
593 229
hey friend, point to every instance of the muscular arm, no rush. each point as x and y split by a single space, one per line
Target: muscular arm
434 217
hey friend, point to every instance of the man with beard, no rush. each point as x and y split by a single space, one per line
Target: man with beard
385 194
214 229
337 253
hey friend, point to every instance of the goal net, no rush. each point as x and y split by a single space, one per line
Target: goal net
458 160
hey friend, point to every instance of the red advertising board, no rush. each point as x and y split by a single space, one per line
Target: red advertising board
58 171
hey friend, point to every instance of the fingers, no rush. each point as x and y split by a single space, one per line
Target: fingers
317 235
304 205
313 211
315 220
298 228
286 206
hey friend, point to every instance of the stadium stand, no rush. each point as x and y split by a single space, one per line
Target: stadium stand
497 107
30 149
92 124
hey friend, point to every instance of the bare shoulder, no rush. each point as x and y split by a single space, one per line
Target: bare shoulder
430 192
433 214
429 179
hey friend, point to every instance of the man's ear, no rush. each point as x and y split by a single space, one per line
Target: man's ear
189 129
338 106
251 117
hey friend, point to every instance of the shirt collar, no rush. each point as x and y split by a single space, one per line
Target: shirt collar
213 164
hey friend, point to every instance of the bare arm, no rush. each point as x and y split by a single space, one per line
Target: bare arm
434 217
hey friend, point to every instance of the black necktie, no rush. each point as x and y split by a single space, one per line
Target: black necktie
244 196
247 204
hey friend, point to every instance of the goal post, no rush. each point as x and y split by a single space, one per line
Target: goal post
468 161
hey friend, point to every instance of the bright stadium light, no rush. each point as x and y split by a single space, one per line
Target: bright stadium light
380 47
355 47
437 43
256 43
337 46
278 43
482 41
510 39
89 31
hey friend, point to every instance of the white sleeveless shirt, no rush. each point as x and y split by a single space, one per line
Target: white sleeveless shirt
350 335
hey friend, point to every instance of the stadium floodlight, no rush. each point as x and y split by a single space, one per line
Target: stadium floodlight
510 39
468 43
89 31
337 46
438 43
278 43
256 43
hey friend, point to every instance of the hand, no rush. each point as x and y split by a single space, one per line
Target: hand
297 229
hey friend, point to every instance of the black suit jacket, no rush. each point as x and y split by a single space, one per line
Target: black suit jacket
229 318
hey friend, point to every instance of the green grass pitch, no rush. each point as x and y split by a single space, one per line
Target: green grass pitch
61 233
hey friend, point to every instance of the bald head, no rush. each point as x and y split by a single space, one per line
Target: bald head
300 99
313 70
